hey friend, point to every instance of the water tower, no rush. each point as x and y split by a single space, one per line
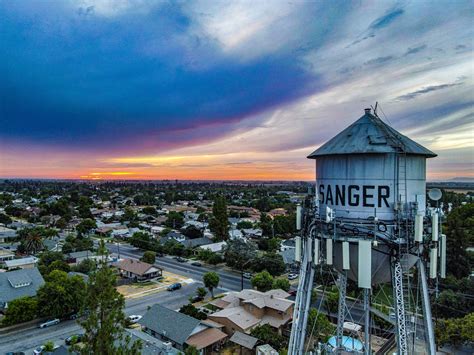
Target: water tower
369 222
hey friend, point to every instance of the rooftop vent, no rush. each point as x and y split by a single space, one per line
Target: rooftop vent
367 110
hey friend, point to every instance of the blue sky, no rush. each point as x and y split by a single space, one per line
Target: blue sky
216 89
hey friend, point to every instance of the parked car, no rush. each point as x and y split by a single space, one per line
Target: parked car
196 298
180 259
174 287
73 339
196 263
15 353
292 276
49 323
292 292
134 318
39 350
247 275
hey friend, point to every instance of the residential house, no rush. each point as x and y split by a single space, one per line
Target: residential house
244 310
22 263
252 232
246 342
150 344
6 234
265 349
19 283
79 256
138 270
182 330
5 255
197 242
173 236
215 247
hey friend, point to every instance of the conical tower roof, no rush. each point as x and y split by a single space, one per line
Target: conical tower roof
370 135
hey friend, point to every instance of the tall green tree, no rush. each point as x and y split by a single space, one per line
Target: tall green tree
104 326
219 223
262 281
282 284
86 226
20 310
460 236
211 281
60 295
149 257
174 220
321 327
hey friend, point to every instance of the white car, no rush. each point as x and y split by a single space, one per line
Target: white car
49 323
292 276
134 318
39 350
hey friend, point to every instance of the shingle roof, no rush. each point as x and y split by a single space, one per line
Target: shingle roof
171 324
369 134
136 267
238 316
244 340
8 292
22 261
206 338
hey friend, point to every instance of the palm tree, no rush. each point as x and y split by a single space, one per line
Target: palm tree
33 241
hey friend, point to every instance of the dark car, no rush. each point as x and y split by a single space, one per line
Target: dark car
196 263
180 259
15 353
73 339
196 299
174 287
292 292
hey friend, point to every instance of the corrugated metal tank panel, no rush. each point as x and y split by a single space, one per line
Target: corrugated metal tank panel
358 185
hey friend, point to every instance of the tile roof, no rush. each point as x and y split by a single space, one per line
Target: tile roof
173 325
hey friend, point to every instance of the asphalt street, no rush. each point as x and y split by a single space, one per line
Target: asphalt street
27 340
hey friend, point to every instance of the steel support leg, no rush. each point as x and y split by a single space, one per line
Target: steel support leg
427 309
341 314
400 308
367 345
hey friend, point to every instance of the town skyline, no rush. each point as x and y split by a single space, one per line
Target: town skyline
101 90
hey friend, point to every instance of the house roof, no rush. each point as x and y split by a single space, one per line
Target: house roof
244 340
205 338
193 243
81 254
19 283
369 134
23 261
239 316
173 325
150 344
134 266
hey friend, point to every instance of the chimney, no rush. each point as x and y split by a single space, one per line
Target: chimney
367 111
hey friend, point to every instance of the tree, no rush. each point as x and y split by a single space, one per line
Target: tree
174 220
263 204
262 281
192 232
150 210
86 226
192 311
46 260
32 240
460 235
239 253
219 223
20 310
282 284
48 346
322 327
191 350
149 257
86 266
59 265
455 331
244 225
4 219
332 302
201 292
60 295
269 335
214 259
266 224
272 262
211 280
104 326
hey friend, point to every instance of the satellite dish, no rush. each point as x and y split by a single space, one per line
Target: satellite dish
435 194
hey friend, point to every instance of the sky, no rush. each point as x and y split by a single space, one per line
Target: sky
244 90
